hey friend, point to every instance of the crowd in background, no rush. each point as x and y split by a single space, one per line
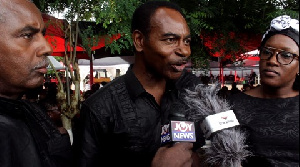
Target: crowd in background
126 118
229 79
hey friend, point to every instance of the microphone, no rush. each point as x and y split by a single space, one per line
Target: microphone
226 146
179 129
182 131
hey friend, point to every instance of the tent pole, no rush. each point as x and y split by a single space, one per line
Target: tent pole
234 75
91 71
221 74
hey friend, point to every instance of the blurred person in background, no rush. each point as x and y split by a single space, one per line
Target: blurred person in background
224 93
246 87
234 89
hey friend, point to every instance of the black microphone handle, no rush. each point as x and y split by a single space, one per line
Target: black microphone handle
177 114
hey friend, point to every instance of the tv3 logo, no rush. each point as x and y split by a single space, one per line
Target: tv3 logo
183 126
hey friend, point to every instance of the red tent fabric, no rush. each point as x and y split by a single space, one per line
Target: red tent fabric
213 41
253 58
54 27
58 45
56 37
216 42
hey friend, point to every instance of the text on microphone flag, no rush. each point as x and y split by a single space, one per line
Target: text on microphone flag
219 121
183 131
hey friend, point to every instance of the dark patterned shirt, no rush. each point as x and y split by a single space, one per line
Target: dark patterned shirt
273 128
29 139
121 123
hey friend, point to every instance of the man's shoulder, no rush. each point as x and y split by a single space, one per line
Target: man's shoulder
8 122
238 98
13 129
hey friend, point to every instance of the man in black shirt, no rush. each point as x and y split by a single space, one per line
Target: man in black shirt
27 136
121 123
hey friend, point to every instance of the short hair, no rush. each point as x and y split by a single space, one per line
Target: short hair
142 15
2 20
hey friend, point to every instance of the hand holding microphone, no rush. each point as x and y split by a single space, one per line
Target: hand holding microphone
179 129
178 155
177 138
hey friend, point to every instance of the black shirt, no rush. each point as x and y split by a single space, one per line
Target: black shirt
121 123
273 129
29 139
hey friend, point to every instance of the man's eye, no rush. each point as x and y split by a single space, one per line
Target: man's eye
27 35
171 40
187 41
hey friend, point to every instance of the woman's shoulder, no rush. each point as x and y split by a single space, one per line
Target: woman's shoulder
239 96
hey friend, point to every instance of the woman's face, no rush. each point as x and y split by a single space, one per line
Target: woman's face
275 74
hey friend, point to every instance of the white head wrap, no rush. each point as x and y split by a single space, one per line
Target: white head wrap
283 25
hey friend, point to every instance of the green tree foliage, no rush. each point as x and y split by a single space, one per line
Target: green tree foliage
203 16
220 17
113 15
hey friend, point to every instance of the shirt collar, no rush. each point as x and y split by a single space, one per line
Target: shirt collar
133 85
11 107
135 88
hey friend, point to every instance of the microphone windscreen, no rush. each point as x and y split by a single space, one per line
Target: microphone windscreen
228 148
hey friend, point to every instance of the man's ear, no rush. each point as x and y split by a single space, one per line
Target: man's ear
138 40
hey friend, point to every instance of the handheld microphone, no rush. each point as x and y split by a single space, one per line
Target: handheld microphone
227 146
179 129
182 131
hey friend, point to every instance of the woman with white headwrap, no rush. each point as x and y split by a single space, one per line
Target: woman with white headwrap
270 112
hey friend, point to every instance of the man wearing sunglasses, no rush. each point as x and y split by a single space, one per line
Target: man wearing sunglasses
270 112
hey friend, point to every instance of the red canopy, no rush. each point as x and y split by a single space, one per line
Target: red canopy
216 42
58 45
56 37
213 41
253 58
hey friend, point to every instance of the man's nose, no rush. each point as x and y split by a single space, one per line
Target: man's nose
183 50
45 48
